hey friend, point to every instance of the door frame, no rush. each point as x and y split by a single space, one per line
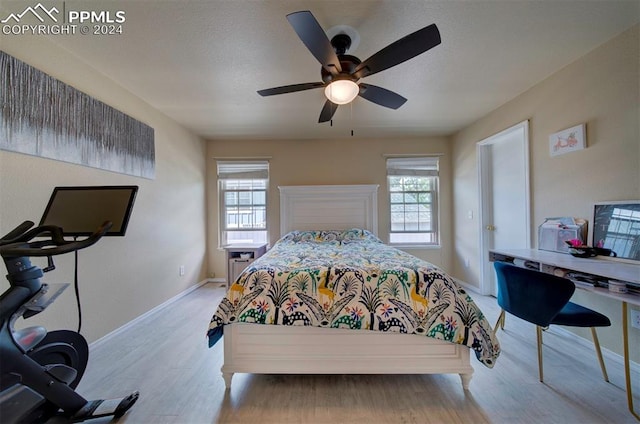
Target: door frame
485 192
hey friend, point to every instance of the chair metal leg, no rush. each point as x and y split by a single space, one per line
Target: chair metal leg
596 343
500 322
539 338
627 366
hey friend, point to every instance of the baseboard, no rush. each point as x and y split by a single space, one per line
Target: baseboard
108 336
610 355
467 286
221 281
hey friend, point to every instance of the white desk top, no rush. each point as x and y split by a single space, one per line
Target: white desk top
599 266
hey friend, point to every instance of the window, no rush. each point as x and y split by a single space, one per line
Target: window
413 200
243 201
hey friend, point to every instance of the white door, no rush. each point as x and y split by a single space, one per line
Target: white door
503 164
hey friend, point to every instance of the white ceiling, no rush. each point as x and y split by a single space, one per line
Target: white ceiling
201 62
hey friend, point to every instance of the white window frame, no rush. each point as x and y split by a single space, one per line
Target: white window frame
411 167
235 170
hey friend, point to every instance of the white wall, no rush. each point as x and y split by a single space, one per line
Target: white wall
120 278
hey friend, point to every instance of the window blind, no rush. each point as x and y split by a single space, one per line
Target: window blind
243 170
426 166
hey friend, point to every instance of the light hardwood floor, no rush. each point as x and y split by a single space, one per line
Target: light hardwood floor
166 358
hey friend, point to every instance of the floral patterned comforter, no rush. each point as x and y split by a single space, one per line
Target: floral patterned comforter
350 279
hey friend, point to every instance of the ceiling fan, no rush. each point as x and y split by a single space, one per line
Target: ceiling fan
341 72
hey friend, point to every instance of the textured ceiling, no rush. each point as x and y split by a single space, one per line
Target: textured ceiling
201 62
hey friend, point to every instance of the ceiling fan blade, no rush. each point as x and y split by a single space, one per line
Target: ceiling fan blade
400 51
290 88
314 37
328 110
381 96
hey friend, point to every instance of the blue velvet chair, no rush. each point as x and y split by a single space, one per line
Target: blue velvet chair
543 299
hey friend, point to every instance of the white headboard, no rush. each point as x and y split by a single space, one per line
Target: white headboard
328 207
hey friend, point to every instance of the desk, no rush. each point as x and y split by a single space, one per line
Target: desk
561 264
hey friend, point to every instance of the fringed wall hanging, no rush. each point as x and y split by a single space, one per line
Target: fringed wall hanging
45 117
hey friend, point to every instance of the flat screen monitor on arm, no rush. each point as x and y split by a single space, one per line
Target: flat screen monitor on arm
80 210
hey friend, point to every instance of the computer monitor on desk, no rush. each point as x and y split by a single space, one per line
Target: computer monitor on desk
616 226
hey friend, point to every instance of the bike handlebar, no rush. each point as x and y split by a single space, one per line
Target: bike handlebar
20 229
17 242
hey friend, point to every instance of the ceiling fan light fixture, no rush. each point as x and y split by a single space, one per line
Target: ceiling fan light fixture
342 91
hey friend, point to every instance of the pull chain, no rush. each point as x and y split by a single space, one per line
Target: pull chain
351 119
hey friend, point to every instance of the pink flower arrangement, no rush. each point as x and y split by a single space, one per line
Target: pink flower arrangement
574 242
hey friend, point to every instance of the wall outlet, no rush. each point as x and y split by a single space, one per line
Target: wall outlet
635 318
181 270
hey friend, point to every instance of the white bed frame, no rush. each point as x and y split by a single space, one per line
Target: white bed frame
271 349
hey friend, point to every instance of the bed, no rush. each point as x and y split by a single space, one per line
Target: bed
344 302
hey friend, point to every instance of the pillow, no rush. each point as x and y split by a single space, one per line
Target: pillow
358 234
330 236
302 237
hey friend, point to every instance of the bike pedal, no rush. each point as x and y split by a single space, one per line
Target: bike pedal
104 408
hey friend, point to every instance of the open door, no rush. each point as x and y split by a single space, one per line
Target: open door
503 166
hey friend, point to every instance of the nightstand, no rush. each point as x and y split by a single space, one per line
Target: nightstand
239 256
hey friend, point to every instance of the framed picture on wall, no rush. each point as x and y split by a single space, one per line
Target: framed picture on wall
567 141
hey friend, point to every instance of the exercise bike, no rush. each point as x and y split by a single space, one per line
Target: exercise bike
40 370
